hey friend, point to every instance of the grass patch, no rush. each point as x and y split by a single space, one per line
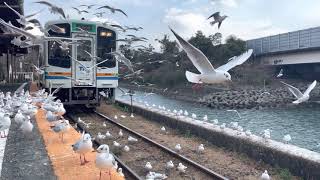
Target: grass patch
284 174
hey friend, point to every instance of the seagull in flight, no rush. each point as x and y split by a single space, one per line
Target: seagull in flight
121 58
280 73
87 6
217 19
32 39
87 69
297 93
113 10
22 19
233 110
80 11
52 8
209 74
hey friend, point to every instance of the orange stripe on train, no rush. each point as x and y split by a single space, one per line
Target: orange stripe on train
59 73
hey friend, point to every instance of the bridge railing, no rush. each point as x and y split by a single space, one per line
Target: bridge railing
302 39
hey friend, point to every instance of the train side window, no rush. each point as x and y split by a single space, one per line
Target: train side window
105 44
57 56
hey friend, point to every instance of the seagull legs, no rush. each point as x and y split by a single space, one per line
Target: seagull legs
100 175
85 161
81 163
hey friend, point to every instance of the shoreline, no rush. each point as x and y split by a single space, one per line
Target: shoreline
246 97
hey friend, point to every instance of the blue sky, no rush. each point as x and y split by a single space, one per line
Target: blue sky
247 18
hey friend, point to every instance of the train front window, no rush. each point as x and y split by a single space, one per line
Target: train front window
83 50
105 44
57 56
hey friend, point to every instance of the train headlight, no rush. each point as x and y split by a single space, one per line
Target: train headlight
105 34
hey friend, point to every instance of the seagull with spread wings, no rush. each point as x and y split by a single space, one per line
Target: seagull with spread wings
208 74
121 58
22 19
80 11
113 10
217 19
87 6
53 8
298 94
32 39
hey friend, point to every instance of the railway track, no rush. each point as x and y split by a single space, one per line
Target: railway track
140 152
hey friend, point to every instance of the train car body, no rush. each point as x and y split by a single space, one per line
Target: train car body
81 80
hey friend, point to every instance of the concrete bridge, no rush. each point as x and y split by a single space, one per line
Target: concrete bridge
297 52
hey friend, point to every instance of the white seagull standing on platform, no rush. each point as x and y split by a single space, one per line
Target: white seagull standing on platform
297 93
208 74
83 146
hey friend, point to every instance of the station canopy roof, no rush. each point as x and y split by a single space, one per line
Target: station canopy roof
8 15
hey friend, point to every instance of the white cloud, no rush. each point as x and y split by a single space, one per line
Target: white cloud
227 3
186 23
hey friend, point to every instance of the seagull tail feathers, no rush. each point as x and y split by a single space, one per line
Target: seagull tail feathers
192 77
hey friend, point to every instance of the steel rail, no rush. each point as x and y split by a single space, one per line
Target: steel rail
179 156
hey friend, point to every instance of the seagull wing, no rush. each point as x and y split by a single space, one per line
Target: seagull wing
30 15
76 9
121 12
198 59
45 3
311 86
16 12
78 62
295 91
236 61
18 30
107 7
215 15
21 87
55 29
60 11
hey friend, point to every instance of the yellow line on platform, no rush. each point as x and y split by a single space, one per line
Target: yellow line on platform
65 162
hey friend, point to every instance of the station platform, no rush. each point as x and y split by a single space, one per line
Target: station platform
42 154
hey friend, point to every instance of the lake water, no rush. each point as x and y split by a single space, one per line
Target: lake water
302 123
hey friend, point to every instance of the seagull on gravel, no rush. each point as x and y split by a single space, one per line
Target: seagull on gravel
169 165
120 133
104 159
83 146
148 166
132 139
178 147
181 168
217 19
200 148
108 135
26 126
297 93
265 176
126 148
208 74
